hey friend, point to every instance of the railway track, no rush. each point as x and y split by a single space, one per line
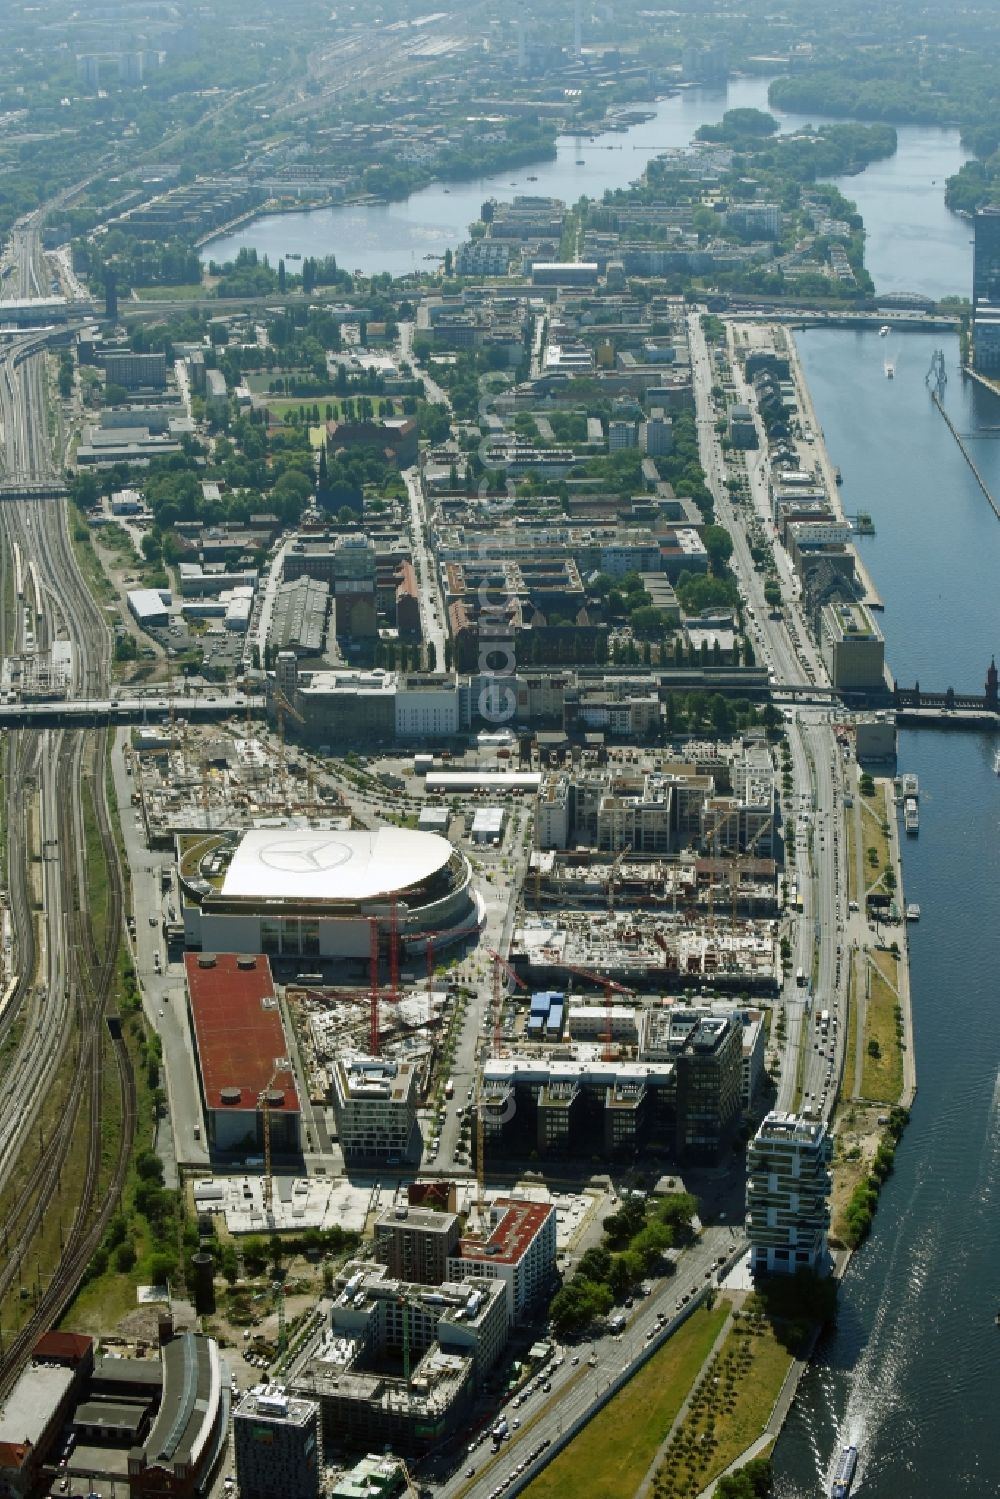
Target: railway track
80 1000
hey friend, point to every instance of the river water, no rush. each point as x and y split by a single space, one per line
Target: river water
396 237
909 1373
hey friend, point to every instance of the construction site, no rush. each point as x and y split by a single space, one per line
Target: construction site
197 779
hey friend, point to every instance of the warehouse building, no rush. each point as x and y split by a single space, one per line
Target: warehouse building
317 892
298 622
149 607
853 647
34 1412
242 1053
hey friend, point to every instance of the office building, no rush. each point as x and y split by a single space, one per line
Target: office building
852 647
657 435
986 339
414 1243
621 434
706 1050
375 1104
576 1109
788 1187
276 1445
742 431
986 256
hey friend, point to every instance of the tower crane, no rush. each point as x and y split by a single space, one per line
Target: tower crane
281 1064
610 986
283 706
616 867
500 966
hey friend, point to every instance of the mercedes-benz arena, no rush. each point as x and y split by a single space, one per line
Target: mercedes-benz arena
308 892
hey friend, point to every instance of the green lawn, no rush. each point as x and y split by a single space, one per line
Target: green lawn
882 1076
729 1410
170 293
611 1456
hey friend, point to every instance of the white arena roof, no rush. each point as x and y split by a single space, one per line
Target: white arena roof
331 865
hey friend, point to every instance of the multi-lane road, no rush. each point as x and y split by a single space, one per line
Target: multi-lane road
810 1065
588 1374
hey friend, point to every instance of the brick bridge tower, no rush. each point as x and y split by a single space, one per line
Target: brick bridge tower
992 694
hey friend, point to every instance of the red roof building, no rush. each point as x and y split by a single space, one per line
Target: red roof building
64 1348
520 1250
242 1052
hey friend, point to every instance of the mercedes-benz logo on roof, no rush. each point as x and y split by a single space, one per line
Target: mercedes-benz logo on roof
305 856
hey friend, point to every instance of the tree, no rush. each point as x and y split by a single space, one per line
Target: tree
718 545
125 1256
281 277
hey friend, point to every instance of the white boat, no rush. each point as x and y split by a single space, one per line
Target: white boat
883 332
996 763
913 911
890 370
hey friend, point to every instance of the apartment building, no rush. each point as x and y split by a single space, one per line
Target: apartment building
788 1189
519 1252
415 1243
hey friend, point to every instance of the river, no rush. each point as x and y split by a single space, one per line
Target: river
909 1373
912 237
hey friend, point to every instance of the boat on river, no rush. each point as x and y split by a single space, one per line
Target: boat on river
996 763
883 332
911 815
890 370
843 1479
913 911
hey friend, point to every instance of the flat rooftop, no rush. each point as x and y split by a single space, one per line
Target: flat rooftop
238 1030
30 1404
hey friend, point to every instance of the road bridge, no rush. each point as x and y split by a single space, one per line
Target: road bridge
93 712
